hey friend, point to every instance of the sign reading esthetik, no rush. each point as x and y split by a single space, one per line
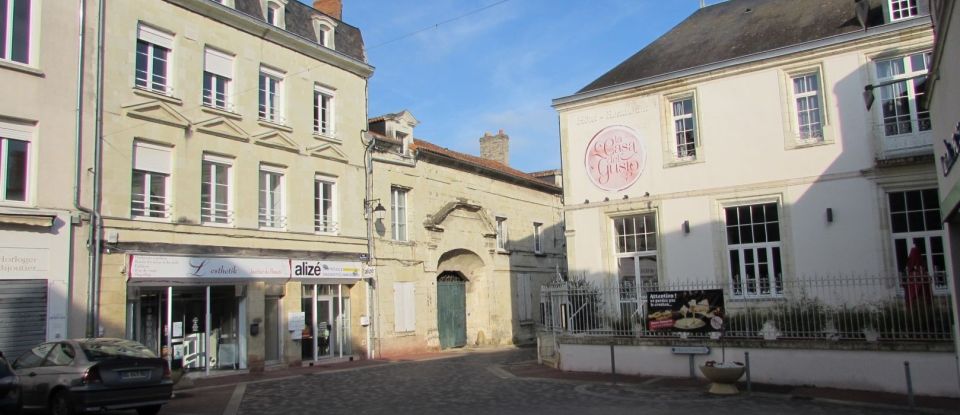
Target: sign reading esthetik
615 158
187 268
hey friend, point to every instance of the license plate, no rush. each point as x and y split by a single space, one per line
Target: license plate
134 374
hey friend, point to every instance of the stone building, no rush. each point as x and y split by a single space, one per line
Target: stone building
232 133
464 245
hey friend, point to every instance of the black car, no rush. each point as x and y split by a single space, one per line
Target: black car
84 375
9 389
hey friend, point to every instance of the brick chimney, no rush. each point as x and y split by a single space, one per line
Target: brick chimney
332 8
495 147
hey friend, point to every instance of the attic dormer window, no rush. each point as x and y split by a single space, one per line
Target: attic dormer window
902 9
274 13
324 28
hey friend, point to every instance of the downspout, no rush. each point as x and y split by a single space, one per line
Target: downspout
77 149
96 222
368 214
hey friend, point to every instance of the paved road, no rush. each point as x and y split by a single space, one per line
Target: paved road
481 383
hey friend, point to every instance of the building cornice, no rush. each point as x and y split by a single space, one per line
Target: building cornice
289 40
893 28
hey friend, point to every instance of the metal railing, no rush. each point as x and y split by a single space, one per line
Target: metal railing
216 213
865 308
272 220
325 224
146 206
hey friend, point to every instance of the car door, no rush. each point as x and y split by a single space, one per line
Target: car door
56 369
27 366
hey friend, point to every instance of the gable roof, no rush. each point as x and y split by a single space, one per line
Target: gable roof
298 19
489 167
736 29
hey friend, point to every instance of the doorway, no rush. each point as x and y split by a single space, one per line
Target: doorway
271 329
330 335
451 309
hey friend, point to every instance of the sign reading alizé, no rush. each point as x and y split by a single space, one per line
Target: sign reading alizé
326 269
615 158
186 268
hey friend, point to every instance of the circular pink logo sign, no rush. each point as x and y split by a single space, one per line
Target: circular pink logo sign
615 158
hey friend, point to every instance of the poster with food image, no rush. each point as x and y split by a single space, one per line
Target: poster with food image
690 311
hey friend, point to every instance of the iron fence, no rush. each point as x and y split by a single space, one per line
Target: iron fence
865 308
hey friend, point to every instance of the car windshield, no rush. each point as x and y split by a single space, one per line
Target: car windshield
103 349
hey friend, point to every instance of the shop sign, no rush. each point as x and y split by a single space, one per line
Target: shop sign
326 269
951 152
685 311
185 268
24 262
615 158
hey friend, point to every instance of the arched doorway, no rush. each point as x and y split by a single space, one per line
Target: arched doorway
452 309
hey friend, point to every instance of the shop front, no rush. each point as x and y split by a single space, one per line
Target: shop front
323 327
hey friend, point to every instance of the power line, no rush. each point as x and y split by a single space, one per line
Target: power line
438 24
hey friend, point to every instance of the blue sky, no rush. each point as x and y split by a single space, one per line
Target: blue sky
501 67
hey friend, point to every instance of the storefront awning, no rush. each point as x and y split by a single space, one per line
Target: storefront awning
44 221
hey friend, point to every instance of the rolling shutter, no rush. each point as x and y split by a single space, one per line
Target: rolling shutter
23 315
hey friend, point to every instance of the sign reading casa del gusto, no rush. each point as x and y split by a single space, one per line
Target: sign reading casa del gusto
615 158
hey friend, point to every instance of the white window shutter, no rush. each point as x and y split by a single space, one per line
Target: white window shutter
156 36
218 63
152 158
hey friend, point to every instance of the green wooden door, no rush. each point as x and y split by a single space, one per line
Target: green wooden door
451 313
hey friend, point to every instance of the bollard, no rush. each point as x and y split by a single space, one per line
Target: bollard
746 358
906 369
613 364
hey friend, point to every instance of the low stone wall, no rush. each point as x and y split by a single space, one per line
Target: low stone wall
848 365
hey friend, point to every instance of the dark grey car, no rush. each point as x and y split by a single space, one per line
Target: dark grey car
9 388
74 376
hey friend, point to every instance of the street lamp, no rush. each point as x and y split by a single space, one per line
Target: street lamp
868 97
378 211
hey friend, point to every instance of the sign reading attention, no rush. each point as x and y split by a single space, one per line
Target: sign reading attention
615 158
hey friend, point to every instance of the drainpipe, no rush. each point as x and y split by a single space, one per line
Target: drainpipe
77 149
96 222
368 214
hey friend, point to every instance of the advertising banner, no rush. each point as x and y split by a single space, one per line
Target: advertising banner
326 272
182 268
698 311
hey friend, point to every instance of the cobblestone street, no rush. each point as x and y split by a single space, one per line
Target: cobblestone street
483 383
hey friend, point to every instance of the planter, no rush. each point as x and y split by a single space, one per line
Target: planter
724 378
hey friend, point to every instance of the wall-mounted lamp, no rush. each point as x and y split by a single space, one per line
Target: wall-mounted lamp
829 215
686 226
586 201
606 199
625 197
868 97
378 211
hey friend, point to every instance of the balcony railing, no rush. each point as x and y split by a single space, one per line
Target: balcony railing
325 224
146 206
216 213
272 219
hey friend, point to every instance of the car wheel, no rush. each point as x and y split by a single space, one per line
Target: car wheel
60 404
148 410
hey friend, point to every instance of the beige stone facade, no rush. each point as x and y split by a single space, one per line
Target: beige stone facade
235 140
457 219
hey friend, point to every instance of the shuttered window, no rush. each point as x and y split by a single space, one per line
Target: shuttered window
404 314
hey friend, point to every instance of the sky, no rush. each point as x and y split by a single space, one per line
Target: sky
501 65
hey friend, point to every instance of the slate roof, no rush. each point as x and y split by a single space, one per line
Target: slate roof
739 28
299 21
484 165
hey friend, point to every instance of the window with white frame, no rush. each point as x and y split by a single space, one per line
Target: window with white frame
216 202
15 30
903 104
502 236
524 297
271 95
537 237
915 224
272 206
324 205
807 104
154 50
636 255
404 307
398 213
902 9
217 79
683 113
323 107
14 162
754 248
274 14
151 178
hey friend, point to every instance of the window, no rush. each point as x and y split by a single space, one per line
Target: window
322 110
274 14
524 297
271 82
537 242
684 128
806 93
501 233
404 309
153 59
217 76
636 244
902 9
33 357
60 355
398 212
915 223
903 105
753 246
324 29
325 219
216 203
151 174
271 198
14 163
15 30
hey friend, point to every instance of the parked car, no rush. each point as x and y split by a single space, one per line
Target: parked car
75 376
9 388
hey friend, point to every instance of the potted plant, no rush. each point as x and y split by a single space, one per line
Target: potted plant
723 375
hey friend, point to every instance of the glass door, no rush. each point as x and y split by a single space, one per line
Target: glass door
325 325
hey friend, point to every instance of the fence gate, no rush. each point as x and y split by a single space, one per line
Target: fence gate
451 310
